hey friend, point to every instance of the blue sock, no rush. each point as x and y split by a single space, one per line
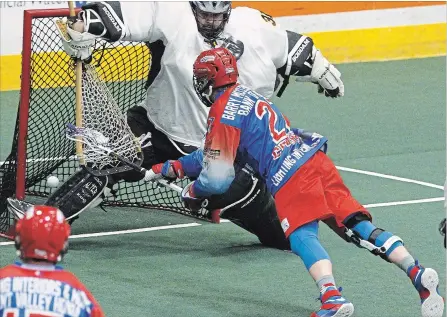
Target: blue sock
365 228
304 243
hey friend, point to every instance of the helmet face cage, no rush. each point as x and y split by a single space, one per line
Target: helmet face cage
203 89
211 17
213 69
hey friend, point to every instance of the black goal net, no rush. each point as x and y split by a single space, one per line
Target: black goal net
47 104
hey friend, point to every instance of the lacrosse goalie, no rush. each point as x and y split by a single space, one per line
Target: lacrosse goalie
304 181
172 119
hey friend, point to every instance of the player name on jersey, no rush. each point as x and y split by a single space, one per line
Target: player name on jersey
241 102
42 295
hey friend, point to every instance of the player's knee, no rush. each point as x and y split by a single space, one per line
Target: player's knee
378 241
304 243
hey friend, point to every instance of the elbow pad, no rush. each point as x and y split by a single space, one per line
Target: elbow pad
104 19
299 57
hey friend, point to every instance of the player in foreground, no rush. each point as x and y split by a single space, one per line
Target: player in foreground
172 118
304 181
35 286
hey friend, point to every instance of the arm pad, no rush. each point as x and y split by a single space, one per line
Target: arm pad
299 58
104 19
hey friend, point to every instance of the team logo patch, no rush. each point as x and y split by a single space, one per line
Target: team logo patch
211 153
285 224
207 58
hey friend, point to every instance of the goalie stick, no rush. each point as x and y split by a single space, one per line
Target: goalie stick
78 88
18 207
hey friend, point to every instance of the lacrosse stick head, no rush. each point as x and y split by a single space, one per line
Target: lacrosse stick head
100 150
103 131
18 207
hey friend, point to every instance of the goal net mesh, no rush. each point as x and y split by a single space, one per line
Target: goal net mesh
49 104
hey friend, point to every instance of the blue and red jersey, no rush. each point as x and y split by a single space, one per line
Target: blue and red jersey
244 124
34 290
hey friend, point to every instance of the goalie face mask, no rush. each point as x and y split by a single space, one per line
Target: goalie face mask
211 17
213 69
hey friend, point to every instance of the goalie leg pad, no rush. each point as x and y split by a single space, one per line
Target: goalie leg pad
365 235
249 205
80 192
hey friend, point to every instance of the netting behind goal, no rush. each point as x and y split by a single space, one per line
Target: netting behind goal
47 103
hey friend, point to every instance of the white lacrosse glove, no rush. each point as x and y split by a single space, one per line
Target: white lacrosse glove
151 176
325 75
76 44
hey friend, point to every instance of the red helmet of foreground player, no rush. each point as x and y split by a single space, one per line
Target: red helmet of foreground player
213 69
42 234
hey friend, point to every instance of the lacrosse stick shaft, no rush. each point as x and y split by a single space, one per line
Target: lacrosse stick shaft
215 214
71 8
174 187
78 85
144 171
79 108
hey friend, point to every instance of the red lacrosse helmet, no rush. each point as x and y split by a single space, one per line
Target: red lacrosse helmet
213 69
42 234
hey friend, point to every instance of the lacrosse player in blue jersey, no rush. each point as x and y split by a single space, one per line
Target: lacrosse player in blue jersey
244 126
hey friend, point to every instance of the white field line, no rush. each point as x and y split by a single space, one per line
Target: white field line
400 179
114 233
120 232
346 169
406 202
195 224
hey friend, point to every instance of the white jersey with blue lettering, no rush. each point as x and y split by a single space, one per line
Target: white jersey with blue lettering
171 102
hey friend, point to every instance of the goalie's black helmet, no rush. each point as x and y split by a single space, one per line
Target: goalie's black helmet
211 17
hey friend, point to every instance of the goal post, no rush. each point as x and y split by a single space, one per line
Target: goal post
47 103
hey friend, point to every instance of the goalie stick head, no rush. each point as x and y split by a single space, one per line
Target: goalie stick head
100 153
42 234
213 69
103 131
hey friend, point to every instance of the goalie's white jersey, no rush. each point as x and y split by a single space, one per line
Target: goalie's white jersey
171 102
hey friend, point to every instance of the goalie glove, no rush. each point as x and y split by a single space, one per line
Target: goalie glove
76 44
325 75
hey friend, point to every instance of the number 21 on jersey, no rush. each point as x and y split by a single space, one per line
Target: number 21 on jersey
262 108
